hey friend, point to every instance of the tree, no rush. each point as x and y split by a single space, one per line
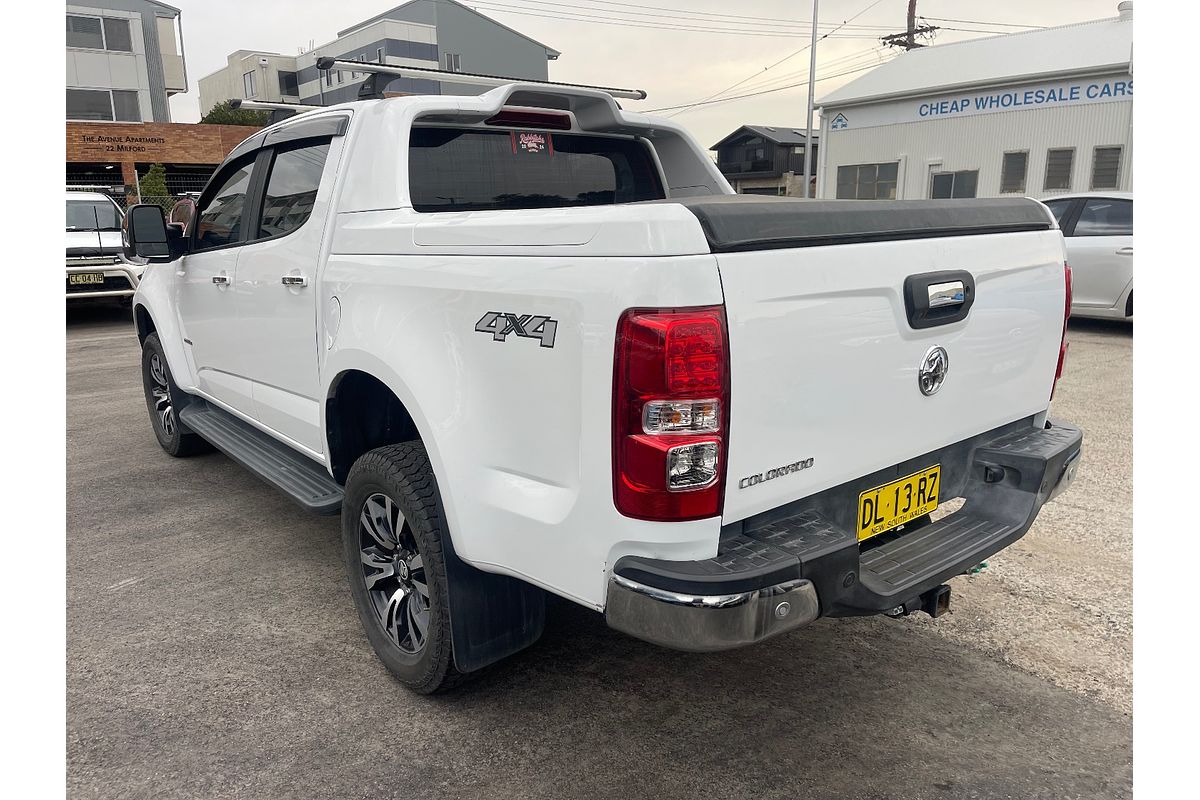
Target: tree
154 187
225 114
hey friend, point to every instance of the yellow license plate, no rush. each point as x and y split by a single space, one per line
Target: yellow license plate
85 278
885 507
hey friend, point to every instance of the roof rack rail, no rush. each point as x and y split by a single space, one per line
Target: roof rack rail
279 111
371 89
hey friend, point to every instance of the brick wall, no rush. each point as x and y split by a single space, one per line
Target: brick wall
152 142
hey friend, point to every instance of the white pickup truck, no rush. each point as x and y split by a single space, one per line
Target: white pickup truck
528 342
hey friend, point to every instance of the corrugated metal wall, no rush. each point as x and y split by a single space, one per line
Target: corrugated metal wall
979 142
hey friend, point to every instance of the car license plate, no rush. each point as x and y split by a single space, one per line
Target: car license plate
893 504
85 278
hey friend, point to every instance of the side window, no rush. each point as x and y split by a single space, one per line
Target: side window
1059 208
219 220
292 189
1105 217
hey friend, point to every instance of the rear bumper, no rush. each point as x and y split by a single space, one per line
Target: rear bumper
784 569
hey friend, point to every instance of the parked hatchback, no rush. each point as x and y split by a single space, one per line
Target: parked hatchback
1098 227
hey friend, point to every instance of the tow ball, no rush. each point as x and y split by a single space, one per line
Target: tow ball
935 602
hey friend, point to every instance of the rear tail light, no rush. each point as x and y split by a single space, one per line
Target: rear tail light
1062 347
670 413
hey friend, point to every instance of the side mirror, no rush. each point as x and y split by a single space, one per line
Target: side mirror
146 238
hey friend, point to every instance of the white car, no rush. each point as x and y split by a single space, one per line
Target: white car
1098 227
527 342
95 267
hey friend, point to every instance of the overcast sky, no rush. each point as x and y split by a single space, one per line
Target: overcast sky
618 46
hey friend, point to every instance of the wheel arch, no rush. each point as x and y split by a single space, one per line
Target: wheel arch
143 322
491 615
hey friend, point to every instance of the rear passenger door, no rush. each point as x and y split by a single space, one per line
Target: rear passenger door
277 281
1100 251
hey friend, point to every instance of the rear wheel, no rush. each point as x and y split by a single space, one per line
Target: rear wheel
163 401
392 529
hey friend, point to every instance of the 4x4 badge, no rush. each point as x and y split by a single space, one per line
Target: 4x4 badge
500 324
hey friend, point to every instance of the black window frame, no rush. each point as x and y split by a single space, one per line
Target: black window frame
1024 171
104 37
215 183
266 163
1082 204
259 151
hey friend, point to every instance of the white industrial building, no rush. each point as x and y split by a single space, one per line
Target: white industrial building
1036 113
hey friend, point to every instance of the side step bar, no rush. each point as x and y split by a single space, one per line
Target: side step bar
300 478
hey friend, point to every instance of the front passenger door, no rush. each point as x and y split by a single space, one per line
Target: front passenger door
204 285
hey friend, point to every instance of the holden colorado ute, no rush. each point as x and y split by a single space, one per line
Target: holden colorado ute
527 342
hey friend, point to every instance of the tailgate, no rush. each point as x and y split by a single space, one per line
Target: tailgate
824 360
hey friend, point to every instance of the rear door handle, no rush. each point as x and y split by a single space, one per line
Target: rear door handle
1125 251
221 280
294 280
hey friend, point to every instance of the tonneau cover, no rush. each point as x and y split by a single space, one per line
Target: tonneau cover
748 222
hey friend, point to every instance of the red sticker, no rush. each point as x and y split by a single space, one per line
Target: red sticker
532 142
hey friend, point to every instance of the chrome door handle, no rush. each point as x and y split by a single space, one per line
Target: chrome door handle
294 280
221 280
1125 251
950 293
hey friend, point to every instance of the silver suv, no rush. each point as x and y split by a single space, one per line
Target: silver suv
95 267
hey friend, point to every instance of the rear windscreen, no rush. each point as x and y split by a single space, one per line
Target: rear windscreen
471 170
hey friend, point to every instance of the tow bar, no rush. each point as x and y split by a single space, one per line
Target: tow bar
935 602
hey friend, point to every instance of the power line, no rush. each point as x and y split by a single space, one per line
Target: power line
689 13
755 94
979 22
780 61
674 16
492 5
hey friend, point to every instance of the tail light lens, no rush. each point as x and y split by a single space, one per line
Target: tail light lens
670 413
1062 347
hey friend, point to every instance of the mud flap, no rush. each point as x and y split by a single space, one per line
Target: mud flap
491 616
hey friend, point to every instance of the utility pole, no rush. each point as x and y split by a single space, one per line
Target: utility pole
812 77
908 39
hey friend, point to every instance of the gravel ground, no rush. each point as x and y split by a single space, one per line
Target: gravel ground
213 650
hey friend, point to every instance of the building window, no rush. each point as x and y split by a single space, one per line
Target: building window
125 106
99 33
340 77
248 86
1058 168
1106 167
1102 216
454 62
867 181
946 185
116 35
329 77
379 56
103 105
1012 172
288 85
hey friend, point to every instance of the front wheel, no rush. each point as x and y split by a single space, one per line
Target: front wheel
392 529
163 399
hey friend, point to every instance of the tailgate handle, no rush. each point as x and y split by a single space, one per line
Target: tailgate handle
938 298
949 293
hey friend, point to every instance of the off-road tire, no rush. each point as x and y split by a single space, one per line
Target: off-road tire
403 474
174 437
